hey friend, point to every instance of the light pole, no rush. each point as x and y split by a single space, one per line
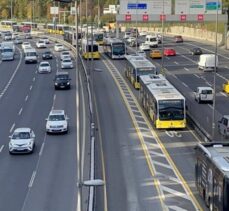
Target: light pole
136 36
214 76
11 9
162 38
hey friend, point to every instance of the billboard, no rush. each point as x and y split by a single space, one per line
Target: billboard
197 6
141 7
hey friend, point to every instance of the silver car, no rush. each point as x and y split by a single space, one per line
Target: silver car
22 141
66 64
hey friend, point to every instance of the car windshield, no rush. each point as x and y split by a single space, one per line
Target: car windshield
56 118
65 53
44 64
47 52
67 60
62 77
21 135
59 45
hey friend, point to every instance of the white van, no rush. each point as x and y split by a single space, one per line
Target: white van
207 62
152 41
204 94
30 55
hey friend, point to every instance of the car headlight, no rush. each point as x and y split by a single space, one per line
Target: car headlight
68 83
30 143
10 144
56 83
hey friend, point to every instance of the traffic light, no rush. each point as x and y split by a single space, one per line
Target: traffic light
64 1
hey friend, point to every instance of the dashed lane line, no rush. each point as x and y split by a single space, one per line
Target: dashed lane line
12 127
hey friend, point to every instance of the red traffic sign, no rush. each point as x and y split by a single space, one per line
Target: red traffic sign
183 17
162 17
128 17
200 17
145 17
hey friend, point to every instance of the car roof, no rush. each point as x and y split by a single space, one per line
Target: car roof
57 112
204 87
22 129
226 116
44 62
62 73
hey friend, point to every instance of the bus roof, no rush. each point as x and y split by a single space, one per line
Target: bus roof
151 78
85 41
219 153
139 61
163 90
111 40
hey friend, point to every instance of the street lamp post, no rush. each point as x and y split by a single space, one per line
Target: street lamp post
214 76
11 9
162 38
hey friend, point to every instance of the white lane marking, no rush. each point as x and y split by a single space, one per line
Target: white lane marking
26 98
54 97
186 69
174 192
221 77
41 150
224 94
185 84
12 77
12 127
196 75
34 78
210 106
175 76
176 208
32 179
19 113
1 148
176 63
208 83
30 88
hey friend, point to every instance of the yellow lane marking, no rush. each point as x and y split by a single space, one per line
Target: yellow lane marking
144 147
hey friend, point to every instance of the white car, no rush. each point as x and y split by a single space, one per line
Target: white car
204 94
44 67
141 53
57 122
66 64
58 47
40 44
45 39
143 33
144 47
65 54
22 141
131 39
25 45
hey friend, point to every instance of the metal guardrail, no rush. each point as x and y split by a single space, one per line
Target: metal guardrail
91 195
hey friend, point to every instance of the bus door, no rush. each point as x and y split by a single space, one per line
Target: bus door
209 188
152 110
133 76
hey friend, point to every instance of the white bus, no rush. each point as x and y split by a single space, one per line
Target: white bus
136 66
164 104
114 48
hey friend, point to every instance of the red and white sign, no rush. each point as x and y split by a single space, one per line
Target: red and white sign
183 17
162 17
200 17
128 17
145 17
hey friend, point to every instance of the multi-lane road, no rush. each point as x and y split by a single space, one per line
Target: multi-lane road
143 168
46 179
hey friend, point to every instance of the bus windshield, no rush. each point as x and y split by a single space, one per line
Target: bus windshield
95 48
171 109
119 49
98 37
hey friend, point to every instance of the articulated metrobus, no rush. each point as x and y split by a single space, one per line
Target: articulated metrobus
164 104
98 37
8 24
90 49
114 48
136 66
56 29
70 36
212 174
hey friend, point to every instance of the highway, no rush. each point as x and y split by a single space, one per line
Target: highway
46 179
135 193
143 168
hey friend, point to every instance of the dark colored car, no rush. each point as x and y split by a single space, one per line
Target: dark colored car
196 51
62 80
178 39
47 55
